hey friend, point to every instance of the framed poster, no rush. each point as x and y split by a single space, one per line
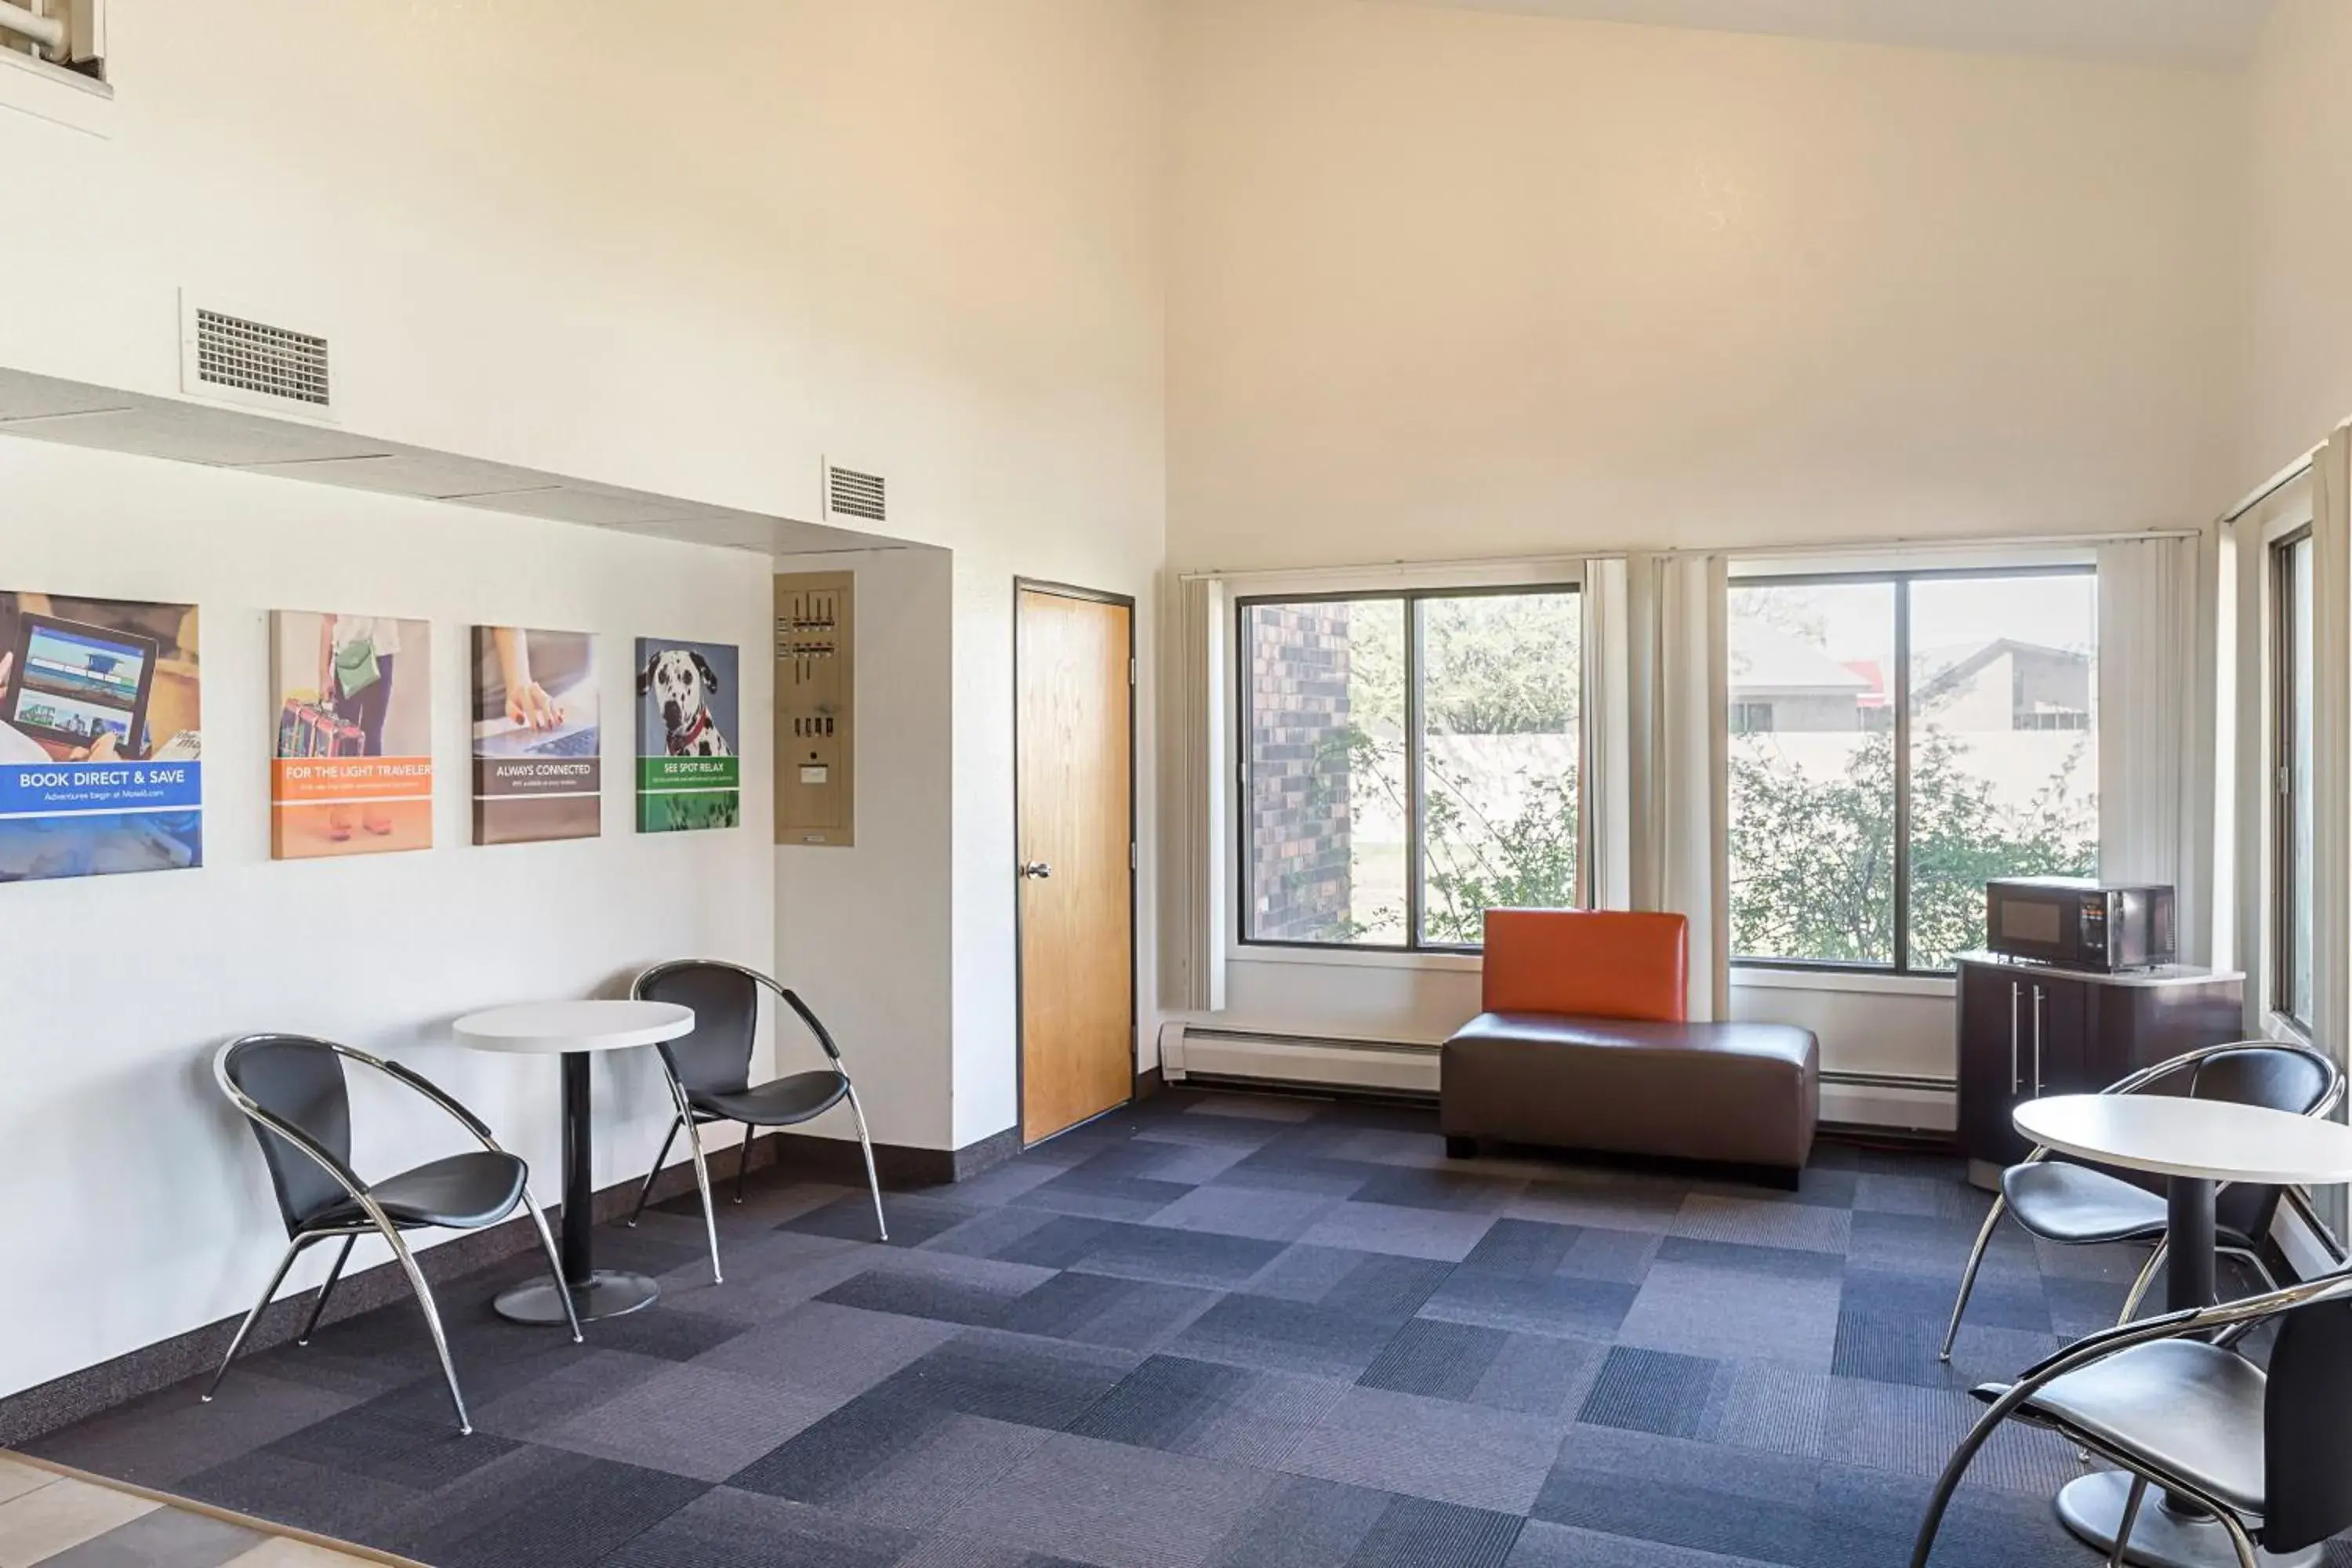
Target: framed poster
538 768
689 776
351 764
100 737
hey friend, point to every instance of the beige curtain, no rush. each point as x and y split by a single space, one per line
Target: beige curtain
1678 685
1195 901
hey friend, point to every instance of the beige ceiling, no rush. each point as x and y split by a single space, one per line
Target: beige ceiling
2218 34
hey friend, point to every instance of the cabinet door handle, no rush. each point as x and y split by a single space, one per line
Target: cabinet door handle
2037 1042
2014 996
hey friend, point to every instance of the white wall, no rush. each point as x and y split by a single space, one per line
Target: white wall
142 1208
1449 285
917 235
865 933
2297 235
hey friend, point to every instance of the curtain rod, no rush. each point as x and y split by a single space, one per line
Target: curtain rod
1619 552
2276 483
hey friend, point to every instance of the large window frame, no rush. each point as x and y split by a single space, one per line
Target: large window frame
2290 880
1416 858
1901 579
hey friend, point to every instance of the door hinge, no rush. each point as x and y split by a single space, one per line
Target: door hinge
1130 671
1130 853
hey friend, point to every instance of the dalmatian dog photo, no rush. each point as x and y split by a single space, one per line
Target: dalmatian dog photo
682 684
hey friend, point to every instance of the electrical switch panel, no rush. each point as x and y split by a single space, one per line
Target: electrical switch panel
813 742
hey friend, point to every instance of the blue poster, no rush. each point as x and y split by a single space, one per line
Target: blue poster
100 737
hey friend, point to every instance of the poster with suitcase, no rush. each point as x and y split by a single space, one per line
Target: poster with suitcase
101 739
689 776
352 768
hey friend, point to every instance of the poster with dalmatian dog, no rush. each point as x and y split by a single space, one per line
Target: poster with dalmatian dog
689 776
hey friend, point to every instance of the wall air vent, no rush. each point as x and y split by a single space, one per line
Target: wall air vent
239 356
849 493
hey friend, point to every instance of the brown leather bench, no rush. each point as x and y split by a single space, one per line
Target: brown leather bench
1584 1044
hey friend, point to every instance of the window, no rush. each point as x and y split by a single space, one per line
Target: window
2292 858
1930 730
1411 762
1751 718
71 34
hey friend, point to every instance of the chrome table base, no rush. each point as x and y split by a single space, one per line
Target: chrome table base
2093 1506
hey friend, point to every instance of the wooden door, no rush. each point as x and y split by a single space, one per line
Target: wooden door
1075 867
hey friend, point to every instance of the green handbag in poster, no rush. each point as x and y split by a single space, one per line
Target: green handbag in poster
355 669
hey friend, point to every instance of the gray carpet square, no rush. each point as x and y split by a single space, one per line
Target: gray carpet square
1611 1200
693 1420
1177 1257
1104 1310
1587 1309
1622 1256
1431 1448
161 1439
828 1352
750 1531
1117 1505
1442 1188
913 1220
1439 1360
1011 1377
920 1294
1739 1258
1080 1192
2001 1301
1912 1431
1441 1235
1724 1315
1279 1168
1762 1221
1375 1284
414 1455
1544 1545
1921 1244
556 1511
1243 1211
1277 1335
1540 1374
1523 1249
1651 1391
1697 1496
1211 1410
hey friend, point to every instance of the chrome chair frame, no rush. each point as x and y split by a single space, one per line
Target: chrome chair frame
378 1222
2132 1084
693 1120
2227 1323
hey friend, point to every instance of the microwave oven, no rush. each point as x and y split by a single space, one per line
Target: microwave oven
2077 923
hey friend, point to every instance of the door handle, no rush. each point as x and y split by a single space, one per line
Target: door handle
1037 869
2015 992
2037 1042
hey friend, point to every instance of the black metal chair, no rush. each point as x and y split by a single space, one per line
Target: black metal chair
711 1069
292 1090
2264 1453
2078 1206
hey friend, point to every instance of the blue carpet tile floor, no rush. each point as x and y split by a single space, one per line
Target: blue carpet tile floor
1214 1330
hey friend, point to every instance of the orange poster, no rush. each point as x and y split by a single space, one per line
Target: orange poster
353 768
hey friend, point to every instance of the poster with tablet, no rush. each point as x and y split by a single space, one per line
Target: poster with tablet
350 768
537 772
100 737
688 775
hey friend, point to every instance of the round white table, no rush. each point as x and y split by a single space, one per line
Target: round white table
2194 1144
574 1030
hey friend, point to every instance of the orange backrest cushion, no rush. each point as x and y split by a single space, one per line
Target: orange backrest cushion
1591 963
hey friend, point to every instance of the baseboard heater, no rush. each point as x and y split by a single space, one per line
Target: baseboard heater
1291 1059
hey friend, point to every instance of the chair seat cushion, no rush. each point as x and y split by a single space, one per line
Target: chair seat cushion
2184 1405
780 1103
1744 1093
2077 1204
463 1192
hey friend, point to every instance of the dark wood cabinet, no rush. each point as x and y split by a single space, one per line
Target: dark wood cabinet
2027 1030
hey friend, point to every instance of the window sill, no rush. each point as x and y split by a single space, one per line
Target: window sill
1354 957
55 94
1863 984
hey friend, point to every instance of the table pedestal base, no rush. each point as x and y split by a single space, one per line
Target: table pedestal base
608 1294
2093 1506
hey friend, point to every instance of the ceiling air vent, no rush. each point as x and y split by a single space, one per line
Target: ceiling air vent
253 357
849 493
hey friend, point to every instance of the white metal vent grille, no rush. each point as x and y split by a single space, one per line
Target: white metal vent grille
848 493
253 357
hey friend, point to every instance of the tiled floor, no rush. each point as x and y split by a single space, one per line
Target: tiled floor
1218 1330
58 1522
